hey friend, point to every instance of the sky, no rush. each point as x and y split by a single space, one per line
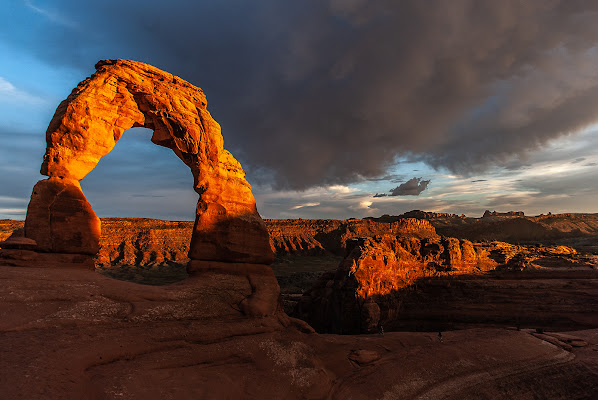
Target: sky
335 108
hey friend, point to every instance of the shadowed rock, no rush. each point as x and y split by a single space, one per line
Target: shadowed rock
60 219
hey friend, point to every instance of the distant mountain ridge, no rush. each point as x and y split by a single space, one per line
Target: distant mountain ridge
512 226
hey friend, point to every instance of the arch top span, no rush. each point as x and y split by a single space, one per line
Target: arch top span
122 94
86 126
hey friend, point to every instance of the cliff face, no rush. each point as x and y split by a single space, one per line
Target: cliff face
143 241
364 292
8 226
140 241
367 290
321 236
510 227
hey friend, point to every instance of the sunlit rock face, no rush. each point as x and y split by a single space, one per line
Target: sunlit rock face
365 291
124 94
304 236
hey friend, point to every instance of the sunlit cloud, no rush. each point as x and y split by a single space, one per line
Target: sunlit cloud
340 189
305 205
364 208
365 205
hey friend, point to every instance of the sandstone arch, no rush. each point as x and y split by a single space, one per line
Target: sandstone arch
122 94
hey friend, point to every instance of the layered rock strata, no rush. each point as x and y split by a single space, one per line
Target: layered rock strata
369 288
86 126
365 291
319 236
512 227
150 242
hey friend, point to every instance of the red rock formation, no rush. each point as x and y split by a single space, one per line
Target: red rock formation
318 236
8 227
489 213
513 227
86 126
364 292
144 242
60 219
141 241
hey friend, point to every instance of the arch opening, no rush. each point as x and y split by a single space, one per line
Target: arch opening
138 179
151 245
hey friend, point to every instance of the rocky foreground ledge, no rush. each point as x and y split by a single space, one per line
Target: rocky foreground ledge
72 334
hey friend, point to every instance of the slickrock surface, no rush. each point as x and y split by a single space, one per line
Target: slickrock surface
122 94
75 334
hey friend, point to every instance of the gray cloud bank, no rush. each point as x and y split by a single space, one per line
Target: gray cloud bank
322 92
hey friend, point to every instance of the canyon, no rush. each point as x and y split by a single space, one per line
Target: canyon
324 269
73 333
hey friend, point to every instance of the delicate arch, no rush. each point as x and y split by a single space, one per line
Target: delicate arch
86 126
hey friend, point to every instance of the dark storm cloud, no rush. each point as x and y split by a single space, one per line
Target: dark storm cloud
394 178
330 92
413 187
